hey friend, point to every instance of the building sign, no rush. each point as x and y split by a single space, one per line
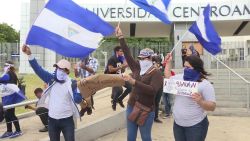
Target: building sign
180 87
221 10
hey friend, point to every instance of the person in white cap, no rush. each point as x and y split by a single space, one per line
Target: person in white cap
58 96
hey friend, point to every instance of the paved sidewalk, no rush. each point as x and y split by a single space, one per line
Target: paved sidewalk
220 129
31 125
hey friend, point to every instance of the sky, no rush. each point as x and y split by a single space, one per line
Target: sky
10 12
10 9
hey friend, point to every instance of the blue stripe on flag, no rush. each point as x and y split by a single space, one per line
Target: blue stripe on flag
166 3
213 45
83 17
153 10
44 38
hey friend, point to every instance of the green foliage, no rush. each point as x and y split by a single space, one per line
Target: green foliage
8 33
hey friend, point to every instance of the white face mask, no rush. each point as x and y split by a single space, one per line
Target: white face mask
61 75
6 68
145 65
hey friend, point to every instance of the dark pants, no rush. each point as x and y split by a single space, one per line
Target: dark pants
167 103
65 125
197 132
118 94
43 114
157 102
10 118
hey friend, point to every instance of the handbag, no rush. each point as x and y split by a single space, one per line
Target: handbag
139 113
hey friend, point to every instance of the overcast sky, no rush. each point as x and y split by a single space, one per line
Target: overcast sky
10 9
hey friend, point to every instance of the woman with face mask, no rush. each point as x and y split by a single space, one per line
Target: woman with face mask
190 118
146 81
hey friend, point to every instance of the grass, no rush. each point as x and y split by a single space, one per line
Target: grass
32 82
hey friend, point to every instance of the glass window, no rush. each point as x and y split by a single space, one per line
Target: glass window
241 51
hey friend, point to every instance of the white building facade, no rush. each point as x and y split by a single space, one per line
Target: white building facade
230 18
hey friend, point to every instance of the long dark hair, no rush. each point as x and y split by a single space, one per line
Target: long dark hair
198 65
12 69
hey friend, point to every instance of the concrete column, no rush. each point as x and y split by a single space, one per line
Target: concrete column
45 57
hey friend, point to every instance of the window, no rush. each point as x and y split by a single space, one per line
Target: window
224 51
241 51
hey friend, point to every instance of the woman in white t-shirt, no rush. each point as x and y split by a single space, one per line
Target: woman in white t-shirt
190 118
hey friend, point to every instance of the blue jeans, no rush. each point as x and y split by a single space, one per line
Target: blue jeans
145 130
196 132
65 125
167 103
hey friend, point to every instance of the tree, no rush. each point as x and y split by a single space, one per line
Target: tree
8 33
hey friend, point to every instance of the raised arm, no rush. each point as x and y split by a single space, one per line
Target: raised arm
167 62
134 66
42 73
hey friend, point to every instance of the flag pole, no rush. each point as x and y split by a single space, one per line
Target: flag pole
120 17
182 37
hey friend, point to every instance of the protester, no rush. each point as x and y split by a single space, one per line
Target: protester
86 67
190 118
157 63
1 112
60 103
41 111
167 98
146 81
9 77
168 101
183 54
117 65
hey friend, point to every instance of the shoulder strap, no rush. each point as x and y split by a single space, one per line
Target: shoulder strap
150 70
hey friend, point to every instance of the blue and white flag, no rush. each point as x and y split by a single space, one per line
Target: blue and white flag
205 32
158 8
68 29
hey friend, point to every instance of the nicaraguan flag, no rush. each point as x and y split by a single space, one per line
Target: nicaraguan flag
158 8
68 29
205 32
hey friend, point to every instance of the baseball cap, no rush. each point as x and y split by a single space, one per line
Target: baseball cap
146 52
63 64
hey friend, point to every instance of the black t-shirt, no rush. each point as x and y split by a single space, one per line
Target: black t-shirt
115 62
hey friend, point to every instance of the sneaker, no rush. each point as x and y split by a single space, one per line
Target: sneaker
121 104
157 120
16 134
82 112
45 129
6 135
166 116
89 110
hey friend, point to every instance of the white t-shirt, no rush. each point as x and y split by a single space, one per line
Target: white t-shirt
186 111
60 102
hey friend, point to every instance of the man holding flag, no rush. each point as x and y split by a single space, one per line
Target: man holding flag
72 31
